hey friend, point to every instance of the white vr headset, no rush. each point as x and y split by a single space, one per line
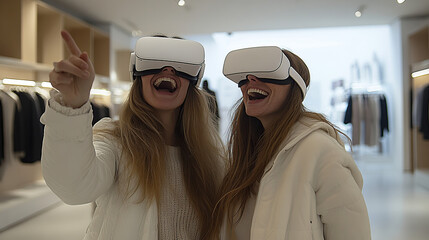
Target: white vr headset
268 64
154 53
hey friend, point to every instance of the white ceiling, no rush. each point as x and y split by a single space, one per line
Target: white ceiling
208 16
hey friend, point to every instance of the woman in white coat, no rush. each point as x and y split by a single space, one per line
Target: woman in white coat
153 172
290 177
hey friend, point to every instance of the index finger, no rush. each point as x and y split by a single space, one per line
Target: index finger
71 44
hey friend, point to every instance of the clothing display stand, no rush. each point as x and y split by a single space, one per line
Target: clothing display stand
23 192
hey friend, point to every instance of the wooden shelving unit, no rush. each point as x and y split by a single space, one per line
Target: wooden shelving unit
10 28
30 42
101 52
31 33
419 59
49 42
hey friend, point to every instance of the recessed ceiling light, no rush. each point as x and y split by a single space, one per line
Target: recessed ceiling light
358 13
181 3
400 1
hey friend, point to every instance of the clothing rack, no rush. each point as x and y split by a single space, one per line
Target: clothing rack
23 191
367 113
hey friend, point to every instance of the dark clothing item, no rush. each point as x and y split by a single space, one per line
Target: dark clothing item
348 115
99 112
1 135
31 127
384 118
18 132
424 119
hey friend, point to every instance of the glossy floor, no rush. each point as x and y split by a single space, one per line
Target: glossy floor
398 209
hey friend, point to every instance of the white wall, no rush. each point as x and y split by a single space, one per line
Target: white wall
119 39
328 52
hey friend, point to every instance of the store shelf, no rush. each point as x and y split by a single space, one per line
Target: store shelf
101 53
19 64
10 28
30 42
49 42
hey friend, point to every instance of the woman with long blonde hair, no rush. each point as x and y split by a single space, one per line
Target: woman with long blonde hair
289 176
154 172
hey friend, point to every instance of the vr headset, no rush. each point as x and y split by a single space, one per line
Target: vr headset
153 53
268 64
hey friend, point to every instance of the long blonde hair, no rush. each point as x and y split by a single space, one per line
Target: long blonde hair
143 147
251 148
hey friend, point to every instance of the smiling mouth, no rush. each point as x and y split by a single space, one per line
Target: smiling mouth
256 94
165 84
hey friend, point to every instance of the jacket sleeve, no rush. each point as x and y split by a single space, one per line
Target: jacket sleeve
77 168
339 199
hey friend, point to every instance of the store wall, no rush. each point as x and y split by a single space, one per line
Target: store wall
401 29
331 54
119 40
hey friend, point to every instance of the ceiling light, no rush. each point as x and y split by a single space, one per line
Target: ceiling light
102 92
181 3
400 1
19 82
358 13
46 84
420 73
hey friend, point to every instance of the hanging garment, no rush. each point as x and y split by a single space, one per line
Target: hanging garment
32 127
384 118
9 105
348 114
417 107
357 116
99 111
372 119
424 118
369 118
1 138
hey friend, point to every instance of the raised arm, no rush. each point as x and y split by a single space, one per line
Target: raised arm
73 77
76 166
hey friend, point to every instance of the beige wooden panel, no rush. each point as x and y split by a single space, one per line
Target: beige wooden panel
101 53
10 28
419 46
28 31
16 73
49 41
420 145
81 33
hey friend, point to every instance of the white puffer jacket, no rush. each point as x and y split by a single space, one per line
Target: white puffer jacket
311 190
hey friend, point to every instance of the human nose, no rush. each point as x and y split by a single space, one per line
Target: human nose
252 78
169 69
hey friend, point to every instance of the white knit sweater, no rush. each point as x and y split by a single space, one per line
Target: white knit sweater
177 218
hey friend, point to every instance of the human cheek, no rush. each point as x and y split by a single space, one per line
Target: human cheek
243 90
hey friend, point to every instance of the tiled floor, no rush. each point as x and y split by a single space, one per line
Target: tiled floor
398 209
397 206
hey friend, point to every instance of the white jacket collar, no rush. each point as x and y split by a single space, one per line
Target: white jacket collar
303 128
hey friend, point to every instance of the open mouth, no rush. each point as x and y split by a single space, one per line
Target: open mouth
256 94
165 84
